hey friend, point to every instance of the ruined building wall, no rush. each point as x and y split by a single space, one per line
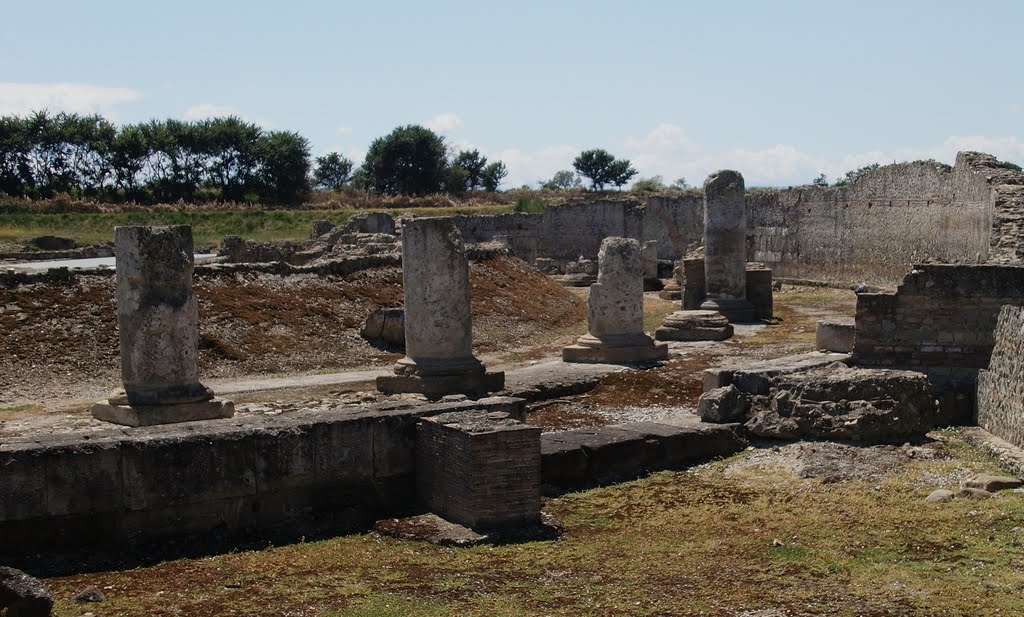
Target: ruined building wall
875 228
941 318
872 230
1001 386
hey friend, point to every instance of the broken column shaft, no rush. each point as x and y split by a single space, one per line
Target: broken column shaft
615 310
438 329
158 330
725 246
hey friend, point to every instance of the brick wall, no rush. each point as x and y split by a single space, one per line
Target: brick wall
941 320
477 472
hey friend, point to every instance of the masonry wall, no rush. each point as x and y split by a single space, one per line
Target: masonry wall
876 228
872 230
941 321
1001 385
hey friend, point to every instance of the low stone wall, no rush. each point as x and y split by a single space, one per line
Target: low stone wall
111 486
279 476
1001 385
940 321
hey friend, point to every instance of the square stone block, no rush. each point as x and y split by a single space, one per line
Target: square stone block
479 469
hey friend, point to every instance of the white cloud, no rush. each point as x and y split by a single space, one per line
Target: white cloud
529 167
664 137
445 123
23 98
344 130
202 111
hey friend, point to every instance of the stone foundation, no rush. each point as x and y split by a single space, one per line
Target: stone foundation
694 326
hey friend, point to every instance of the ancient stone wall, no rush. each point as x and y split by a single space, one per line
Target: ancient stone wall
940 321
872 230
1001 386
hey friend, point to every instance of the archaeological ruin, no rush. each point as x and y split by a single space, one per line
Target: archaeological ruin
932 338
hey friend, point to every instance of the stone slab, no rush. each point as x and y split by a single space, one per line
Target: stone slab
442 385
148 415
754 376
615 355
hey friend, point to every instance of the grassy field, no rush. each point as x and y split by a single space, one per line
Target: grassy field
718 539
208 227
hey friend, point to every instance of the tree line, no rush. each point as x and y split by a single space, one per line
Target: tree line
160 161
43 155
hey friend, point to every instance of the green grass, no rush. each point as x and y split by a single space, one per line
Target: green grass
694 542
17 408
208 227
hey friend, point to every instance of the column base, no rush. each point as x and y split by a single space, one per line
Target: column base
435 386
694 326
736 311
629 349
148 415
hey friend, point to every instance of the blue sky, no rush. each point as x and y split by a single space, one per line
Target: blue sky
779 90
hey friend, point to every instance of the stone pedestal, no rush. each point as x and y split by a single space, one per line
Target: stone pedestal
615 311
158 326
694 326
438 331
673 290
479 469
834 335
725 247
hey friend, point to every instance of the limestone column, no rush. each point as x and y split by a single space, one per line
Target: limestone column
158 329
438 330
615 310
725 247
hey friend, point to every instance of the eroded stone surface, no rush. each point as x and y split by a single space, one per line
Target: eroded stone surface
725 248
694 326
438 330
615 310
158 329
23 595
837 402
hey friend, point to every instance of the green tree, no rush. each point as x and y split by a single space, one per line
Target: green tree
229 149
16 177
680 184
649 185
473 162
601 168
411 160
283 168
821 180
492 175
852 175
562 181
332 171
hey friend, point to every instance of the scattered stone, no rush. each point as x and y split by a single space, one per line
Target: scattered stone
974 493
776 543
939 496
723 405
89 594
320 227
23 595
839 402
993 483
387 326
615 311
834 335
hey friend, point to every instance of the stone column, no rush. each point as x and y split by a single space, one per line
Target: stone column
725 246
158 327
438 330
615 310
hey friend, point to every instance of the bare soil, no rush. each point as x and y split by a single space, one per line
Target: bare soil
60 343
